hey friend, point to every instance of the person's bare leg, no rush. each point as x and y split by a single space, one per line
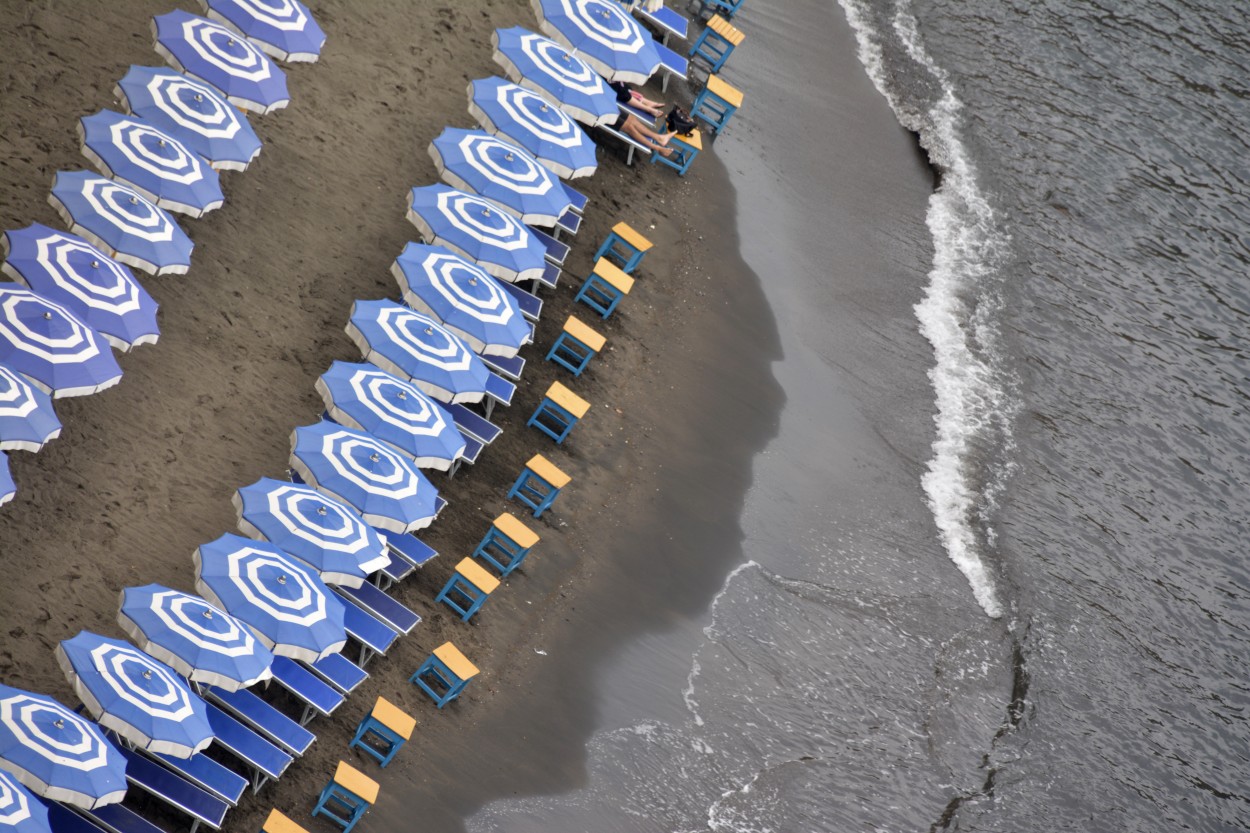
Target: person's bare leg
641 133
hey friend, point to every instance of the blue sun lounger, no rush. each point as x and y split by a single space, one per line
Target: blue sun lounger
474 424
672 63
381 606
318 697
499 391
531 305
411 548
667 21
118 819
395 570
556 251
373 636
569 222
64 820
509 368
206 774
159 782
340 672
262 759
576 197
472 450
264 718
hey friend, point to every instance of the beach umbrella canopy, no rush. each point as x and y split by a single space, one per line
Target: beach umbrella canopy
526 118
477 229
48 345
282 601
385 487
192 112
100 291
325 534
417 348
396 412
191 636
139 698
547 68
284 29
20 811
221 57
121 221
7 487
463 298
473 160
27 419
603 34
151 162
58 754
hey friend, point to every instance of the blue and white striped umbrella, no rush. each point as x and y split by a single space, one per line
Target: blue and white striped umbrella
100 291
478 229
27 419
57 754
531 121
473 160
191 636
463 298
547 68
7 487
20 811
417 348
603 34
282 601
385 487
223 58
150 161
396 412
284 29
122 222
48 345
328 536
192 112
144 701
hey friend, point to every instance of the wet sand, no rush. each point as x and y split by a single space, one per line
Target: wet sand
144 472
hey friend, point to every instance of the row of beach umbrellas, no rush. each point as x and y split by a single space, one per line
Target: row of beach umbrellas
71 298
266 593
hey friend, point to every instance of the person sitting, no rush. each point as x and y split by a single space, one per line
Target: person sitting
636 99
632 126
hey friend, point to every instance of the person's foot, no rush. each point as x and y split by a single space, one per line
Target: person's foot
665 152
663 140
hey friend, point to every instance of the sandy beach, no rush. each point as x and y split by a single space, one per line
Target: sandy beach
143 473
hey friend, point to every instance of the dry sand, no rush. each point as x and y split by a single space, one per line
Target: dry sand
144 472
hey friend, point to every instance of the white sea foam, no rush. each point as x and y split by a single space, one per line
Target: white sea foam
956 315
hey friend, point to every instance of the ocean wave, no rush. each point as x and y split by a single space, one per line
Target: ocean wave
959 312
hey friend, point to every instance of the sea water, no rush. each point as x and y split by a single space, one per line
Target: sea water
1059 640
